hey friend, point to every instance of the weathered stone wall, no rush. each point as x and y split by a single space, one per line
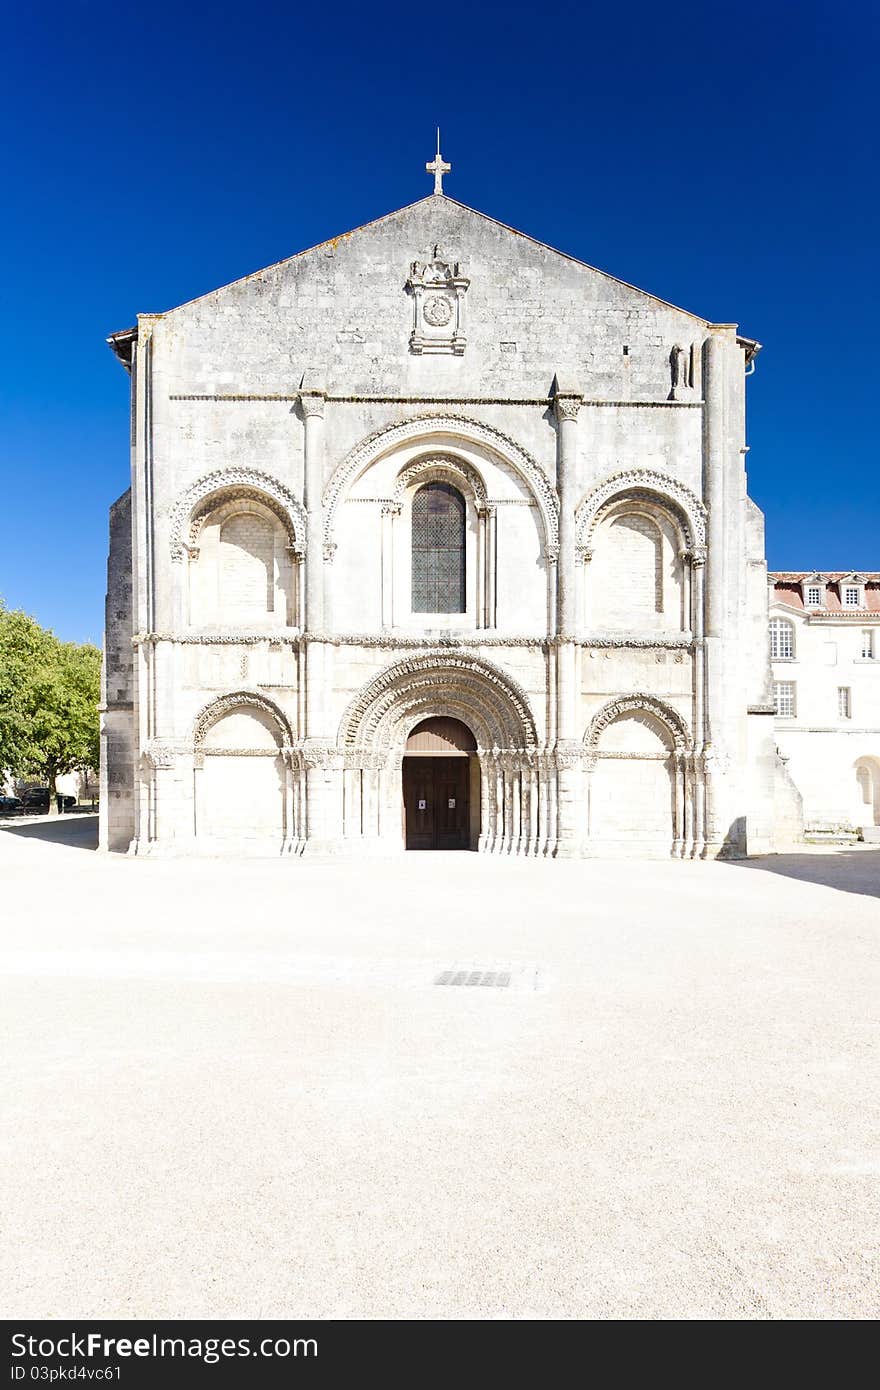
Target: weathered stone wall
117 811
650 401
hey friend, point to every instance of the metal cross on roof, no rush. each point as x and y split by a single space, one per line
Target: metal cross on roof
438 167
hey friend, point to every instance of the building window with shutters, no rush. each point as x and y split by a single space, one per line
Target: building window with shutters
784 692
867 644
844 702
781 640
438 549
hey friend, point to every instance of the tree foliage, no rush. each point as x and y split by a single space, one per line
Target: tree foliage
49 693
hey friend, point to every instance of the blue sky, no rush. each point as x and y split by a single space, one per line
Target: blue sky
720 157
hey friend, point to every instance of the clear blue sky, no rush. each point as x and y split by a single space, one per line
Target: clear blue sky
720 156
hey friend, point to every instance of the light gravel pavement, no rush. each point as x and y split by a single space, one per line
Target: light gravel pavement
233 1089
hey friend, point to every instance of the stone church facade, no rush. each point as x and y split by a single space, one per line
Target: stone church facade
436 538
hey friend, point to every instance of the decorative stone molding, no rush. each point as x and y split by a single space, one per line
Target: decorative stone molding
234 700
241 752
329 551
439 683
393 640
664 641
568 755
437 288
639 703
382 441
644 484
442 467
567 405
219 639
159 755
312 403
315 753
188 514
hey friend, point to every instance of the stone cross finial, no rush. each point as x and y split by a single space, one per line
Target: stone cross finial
438 167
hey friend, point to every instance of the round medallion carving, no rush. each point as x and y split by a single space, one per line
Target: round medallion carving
437 311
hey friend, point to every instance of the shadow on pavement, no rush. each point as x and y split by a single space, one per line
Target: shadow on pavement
850 871
78 831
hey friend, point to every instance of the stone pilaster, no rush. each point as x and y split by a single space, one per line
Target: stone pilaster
569 772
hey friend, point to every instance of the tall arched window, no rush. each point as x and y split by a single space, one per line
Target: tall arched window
781 639
438 550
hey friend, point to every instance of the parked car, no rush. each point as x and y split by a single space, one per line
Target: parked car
10 805
37 799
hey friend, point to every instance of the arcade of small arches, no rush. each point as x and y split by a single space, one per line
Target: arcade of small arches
442 749
240 537
442 752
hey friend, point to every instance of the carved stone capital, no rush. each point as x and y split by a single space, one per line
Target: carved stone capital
567 405
569 754
318 754
312 403
330 549
159 755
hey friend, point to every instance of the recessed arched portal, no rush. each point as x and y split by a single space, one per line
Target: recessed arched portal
454 707
441 786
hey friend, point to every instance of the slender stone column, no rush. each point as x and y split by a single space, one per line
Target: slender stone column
312 405
389 511
491 566
696 831
569 775
485 809
323 776
714 452
534 776
679 775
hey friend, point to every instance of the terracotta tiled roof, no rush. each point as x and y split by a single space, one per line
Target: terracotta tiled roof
787 589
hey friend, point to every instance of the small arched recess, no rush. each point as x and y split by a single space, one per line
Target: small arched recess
640 535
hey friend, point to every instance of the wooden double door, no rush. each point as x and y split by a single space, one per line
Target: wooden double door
436 802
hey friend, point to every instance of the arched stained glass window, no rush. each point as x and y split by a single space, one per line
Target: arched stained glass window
438 550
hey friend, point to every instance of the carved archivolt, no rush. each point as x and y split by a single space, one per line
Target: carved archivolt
188 514
386 439
639 703
645 484
236 700
442 467
494 706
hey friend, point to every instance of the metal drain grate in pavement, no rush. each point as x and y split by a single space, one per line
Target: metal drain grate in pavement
495 979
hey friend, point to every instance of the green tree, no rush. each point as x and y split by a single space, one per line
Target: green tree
49 692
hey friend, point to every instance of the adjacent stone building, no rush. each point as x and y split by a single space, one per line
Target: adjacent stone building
437 538
825 653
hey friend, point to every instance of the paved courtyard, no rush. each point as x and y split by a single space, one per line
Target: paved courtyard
235 1089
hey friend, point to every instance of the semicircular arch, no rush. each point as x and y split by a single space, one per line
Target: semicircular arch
232 702
224 486
646 485
382 441
639 703
490 702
